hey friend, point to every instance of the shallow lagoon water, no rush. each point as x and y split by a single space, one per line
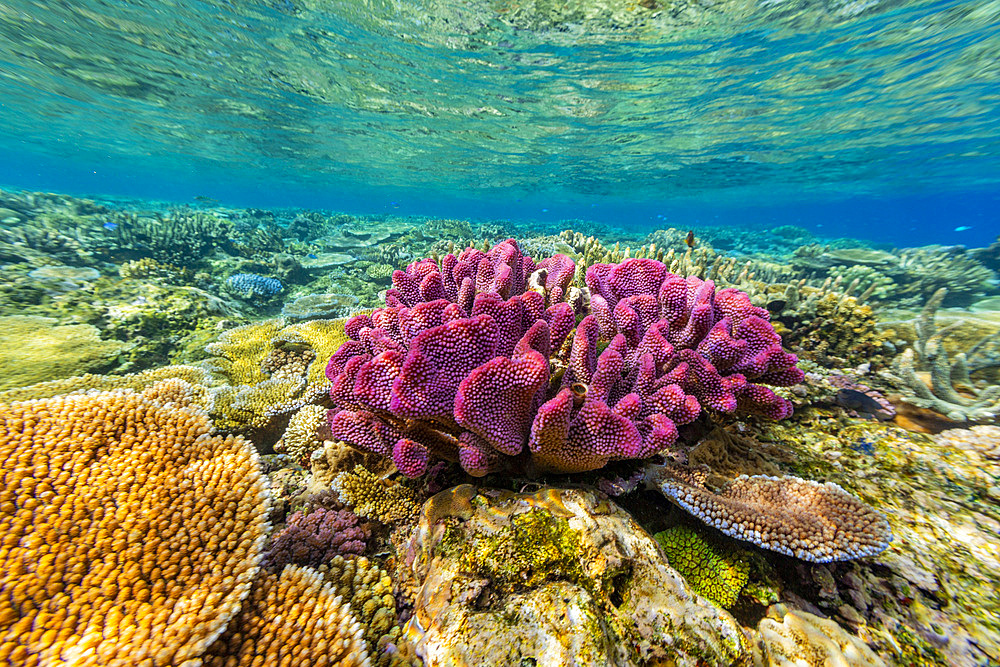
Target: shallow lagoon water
204 203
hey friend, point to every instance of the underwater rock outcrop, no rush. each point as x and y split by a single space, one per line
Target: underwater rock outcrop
466 362
557 577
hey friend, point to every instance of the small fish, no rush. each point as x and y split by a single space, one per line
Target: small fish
312 256
963 228
110 226
689 240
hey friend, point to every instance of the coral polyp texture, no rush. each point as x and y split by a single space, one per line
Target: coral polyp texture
714 570
130 534
811 521
294 618
467 362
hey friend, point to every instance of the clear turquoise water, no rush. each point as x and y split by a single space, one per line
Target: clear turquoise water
878 119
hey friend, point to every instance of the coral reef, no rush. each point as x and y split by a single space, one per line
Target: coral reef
112 502
316 537
252 285
198 378
368 589
973 403
301 436
555 577
291 618
714 570
320 307
36 349
811 521
373 497
182 237
422 376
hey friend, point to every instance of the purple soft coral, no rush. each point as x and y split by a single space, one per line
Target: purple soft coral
467 362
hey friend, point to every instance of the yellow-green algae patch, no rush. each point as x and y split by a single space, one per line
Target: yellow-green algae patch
938 601
35 349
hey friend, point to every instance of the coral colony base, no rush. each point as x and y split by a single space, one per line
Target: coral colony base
300 443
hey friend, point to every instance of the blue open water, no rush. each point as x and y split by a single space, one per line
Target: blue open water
871 119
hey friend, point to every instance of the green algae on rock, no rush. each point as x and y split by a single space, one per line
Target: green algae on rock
554 577
36 349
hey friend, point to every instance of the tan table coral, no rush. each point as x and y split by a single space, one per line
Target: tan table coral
292 619
130 535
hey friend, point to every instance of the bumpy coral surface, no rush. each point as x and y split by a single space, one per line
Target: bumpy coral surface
314 538
811 521
373 497
715 571
292 619
130 534
461 363
368 589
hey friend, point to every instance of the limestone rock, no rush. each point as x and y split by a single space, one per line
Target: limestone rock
557 577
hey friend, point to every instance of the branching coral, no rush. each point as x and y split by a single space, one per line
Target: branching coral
459 363
301 437
197 377
111 506
928 352
294 618
811 521
373 497
315 537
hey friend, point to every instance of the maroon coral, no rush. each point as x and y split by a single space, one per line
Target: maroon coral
315 538
460 363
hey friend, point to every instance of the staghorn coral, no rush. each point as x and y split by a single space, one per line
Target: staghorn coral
800 639
34 349
372 497
714 570
111 506
182 237
457 367
301 437
974 403
952 268
291 619
315 537
811 521
368 589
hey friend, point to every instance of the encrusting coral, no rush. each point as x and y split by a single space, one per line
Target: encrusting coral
368 589
717 571
372 497
811 521
294 618
130 535
459 364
